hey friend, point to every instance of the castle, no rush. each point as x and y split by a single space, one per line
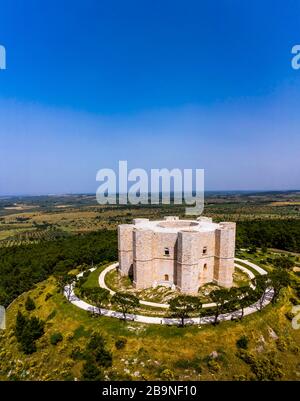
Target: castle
182 254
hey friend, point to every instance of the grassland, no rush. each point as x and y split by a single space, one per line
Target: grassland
150 350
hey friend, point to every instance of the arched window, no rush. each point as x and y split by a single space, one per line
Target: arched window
204 250
167 252
205 266
166 277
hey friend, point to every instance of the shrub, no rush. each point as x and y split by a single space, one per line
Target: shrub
68 377
240 378
242 342
80 332
90 372
96 351
289 316
264 368
120 343
29 304
167 374
48 295
143 353
51 315
246 356
267 369
295 349
213 365
56 338
97 357
77 354
193 364
294 301
182 364
281 344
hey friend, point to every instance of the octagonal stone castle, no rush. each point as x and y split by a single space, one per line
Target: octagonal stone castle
182 254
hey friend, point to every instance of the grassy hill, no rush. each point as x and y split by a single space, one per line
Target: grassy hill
152 352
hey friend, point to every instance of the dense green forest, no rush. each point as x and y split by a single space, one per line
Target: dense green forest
23 266
280 234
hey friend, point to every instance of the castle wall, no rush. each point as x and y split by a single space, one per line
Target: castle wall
125 249
188 261
164 266
206 253
224 257
142 258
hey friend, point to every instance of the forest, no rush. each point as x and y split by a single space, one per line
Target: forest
23 266
279 234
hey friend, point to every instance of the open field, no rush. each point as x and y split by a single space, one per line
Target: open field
73 214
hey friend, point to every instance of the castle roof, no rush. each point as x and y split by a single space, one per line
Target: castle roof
172 224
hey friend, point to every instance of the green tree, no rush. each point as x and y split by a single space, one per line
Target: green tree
97 358
262 285
56 338
219 297
61 280
90 372
99 296
279 279
96 349
127 303
29 304
264 249
20 324
64 283
183 305
239 298
27 331
284 262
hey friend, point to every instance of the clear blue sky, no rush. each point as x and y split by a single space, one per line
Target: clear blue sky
188 84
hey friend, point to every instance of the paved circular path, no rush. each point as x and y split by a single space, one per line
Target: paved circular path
70 295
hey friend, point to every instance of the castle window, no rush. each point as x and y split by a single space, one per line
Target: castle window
166 277
167 251
205 266
205 250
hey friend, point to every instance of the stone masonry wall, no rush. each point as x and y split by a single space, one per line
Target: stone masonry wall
125 248
224 257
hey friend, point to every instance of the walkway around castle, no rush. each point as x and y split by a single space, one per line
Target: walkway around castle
70 295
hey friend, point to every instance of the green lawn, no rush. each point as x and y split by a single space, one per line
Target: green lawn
93 278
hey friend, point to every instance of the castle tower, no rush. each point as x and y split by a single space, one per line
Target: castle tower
187 261
224 254
125 249
142 257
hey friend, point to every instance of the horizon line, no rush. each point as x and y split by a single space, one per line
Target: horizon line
117 193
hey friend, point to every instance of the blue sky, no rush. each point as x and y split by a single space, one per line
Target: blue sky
187 84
